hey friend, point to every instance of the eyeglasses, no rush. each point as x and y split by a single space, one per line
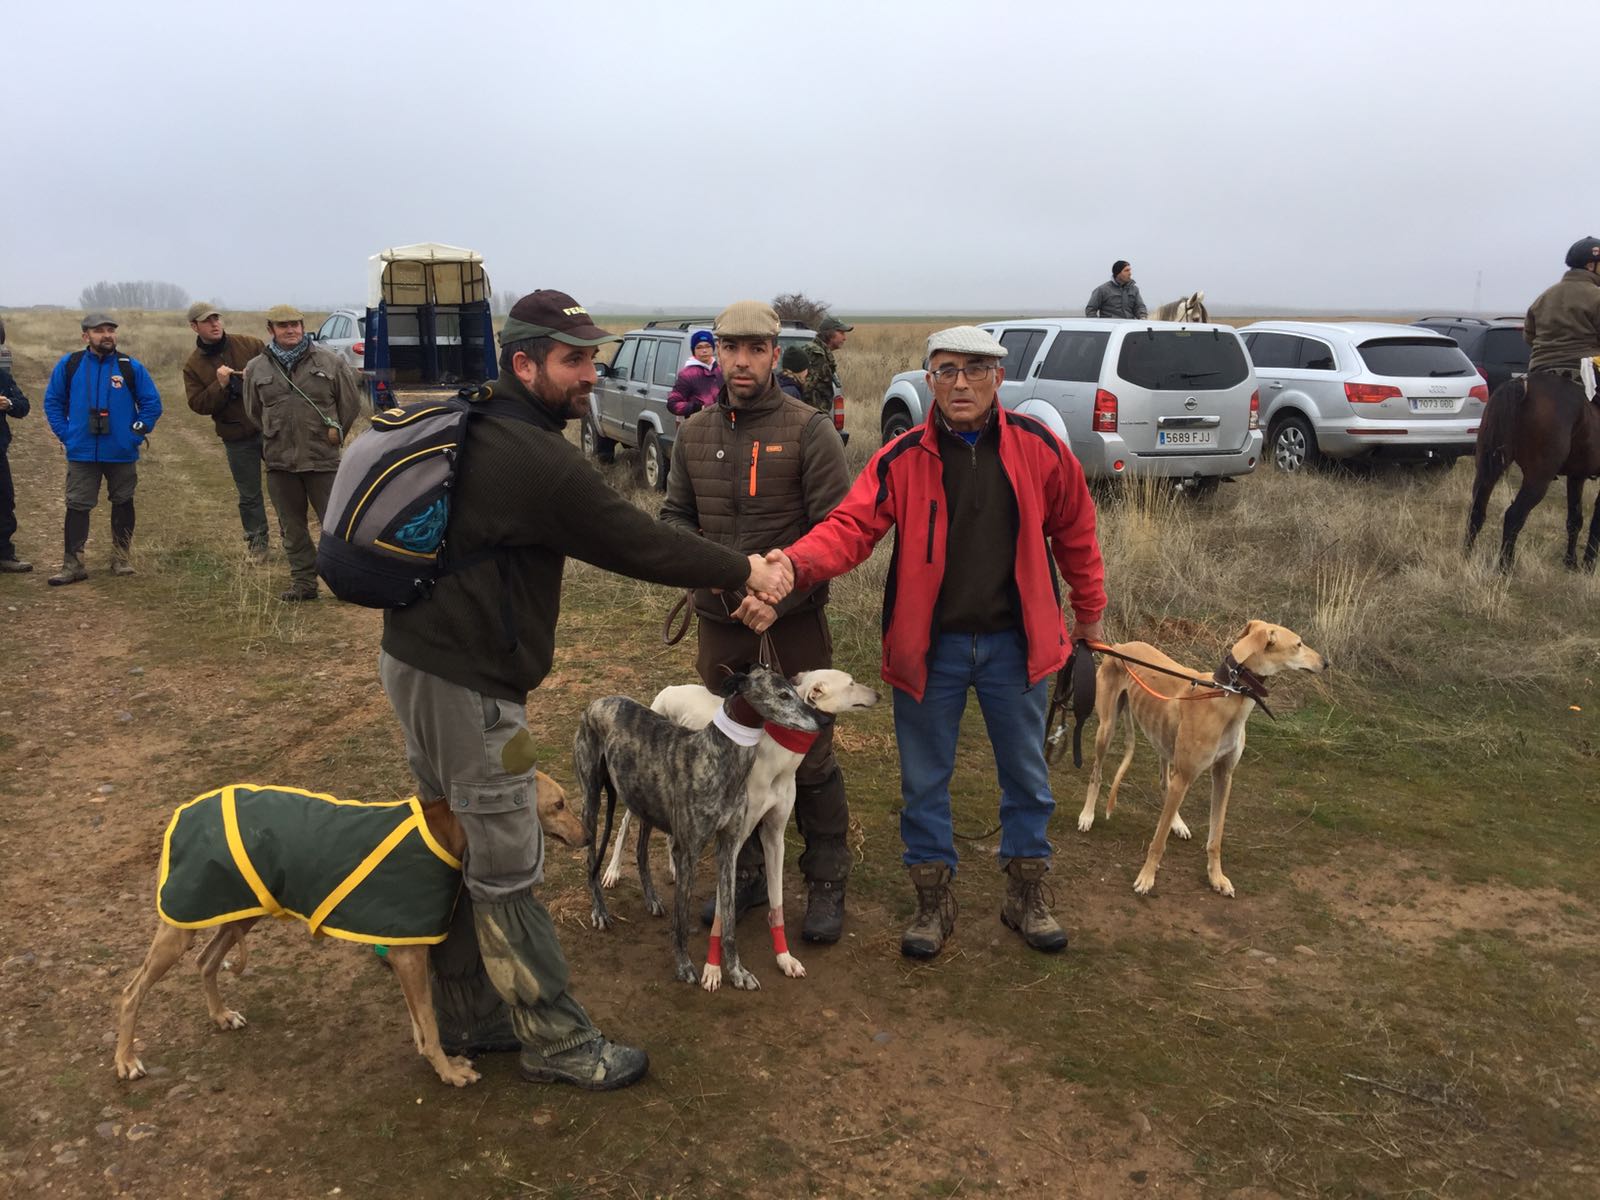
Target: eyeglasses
973 371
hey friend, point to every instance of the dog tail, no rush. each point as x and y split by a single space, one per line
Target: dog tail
603 781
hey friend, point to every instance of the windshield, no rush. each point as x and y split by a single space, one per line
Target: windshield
1190 360
1415 358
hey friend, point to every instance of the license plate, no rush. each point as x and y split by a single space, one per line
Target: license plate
1434 404
1186 437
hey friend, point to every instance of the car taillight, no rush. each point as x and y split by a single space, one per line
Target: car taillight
358 347
1105 411
1481 392
838 413
1370 393
1255 409
1479 368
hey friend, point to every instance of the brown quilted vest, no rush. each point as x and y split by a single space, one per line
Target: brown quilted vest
744 467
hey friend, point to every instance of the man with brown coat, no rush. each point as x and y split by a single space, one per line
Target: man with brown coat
304 399
1563 324
213 380
753 472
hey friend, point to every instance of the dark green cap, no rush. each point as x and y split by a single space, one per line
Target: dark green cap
552 314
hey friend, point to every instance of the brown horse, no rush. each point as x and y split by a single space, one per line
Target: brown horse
1547 427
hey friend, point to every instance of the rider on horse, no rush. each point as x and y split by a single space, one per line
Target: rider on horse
1563 324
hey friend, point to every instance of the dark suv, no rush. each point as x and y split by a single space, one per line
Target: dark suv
1495 345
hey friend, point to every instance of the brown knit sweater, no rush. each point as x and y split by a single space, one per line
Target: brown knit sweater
524 500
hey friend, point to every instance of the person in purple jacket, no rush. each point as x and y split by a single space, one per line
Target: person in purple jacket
700 380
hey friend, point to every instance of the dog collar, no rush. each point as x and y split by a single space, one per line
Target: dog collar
797 740
1238 678
739 735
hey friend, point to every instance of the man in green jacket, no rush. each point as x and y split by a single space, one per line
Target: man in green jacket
823 372
304 398
754 472
213 381
1563 324
458 667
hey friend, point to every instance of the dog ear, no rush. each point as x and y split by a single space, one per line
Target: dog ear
1257 636
732 683
813 691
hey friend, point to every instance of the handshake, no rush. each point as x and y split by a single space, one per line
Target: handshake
771 579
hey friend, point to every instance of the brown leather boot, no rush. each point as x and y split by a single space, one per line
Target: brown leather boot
936 911
72 571
1027 905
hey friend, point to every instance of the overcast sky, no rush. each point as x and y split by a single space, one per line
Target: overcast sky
888 155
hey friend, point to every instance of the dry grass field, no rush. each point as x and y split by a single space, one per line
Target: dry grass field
1401 1001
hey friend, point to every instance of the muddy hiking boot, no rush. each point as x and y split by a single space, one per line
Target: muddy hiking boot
824 921
749 891
120 563
298 591
14 566
1027 905
599 1065
72 571
936 911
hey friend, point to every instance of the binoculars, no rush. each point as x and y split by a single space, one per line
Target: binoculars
99 421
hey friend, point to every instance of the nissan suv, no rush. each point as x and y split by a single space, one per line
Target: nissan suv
1364 391
1151 398
628 407
1495 346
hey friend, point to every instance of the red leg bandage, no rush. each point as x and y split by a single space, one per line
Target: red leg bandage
714 952
780 944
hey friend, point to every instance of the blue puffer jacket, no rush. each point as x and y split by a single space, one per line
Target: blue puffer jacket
98 384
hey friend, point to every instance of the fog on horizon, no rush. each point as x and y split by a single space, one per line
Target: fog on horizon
914 157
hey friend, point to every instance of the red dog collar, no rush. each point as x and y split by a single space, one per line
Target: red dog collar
796 740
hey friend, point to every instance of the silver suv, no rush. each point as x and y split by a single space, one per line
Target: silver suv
1129 397
344 332
629 404
1364 390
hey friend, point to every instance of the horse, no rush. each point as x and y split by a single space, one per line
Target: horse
1547 426
1186 309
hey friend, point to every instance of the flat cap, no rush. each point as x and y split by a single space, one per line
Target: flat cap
278 314
552 314
747 318
96 319
829 324
201 309
965 339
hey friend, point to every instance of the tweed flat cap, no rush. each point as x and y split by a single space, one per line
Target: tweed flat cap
747 318
94 320
201 309
281 314
965 339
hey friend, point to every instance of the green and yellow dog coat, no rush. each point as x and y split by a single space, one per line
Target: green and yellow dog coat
363 872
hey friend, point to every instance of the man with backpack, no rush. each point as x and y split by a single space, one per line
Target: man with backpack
458 666
101 405
304 399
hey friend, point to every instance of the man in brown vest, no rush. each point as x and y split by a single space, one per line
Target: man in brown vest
753 472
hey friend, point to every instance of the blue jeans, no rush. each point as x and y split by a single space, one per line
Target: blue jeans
996 665
244 464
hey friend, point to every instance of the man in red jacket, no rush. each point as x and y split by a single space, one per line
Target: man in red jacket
983 500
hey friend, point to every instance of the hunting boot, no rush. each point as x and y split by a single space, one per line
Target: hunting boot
936 911
120 564
824 912
749 890
72 571
14 566
121 538
1026 908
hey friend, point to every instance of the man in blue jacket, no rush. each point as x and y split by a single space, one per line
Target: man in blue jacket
101 406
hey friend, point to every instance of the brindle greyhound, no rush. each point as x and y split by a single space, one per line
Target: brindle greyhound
689 783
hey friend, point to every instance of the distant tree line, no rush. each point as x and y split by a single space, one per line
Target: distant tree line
500 303
134 293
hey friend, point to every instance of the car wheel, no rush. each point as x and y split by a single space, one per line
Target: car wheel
1294 445
652 461
593 445
896 423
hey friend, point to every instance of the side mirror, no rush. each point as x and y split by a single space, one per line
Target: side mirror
601 370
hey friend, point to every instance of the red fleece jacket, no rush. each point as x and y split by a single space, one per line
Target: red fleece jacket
902 488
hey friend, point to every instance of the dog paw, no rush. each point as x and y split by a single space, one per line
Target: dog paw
1145 882
599 918
231 1020
791 966
711 978
609 879
743 980
130 1068
1179 829
1221 883
458 1072
655 908
1085 822
685 972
